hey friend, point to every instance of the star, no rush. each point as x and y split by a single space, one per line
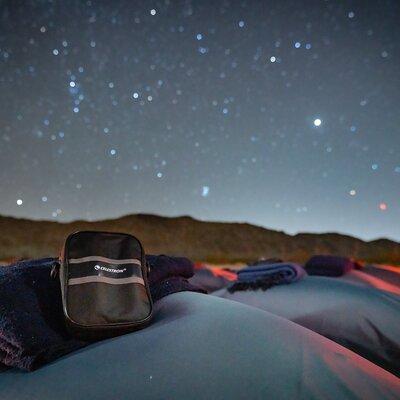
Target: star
205 191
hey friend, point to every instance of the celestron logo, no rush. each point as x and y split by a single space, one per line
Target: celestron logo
115 271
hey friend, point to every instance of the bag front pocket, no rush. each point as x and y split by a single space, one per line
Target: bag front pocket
103 291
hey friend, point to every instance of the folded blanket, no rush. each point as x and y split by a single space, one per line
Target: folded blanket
32 328
163 267
170 275
332 266
264 276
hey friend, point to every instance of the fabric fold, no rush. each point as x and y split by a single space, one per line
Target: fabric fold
173 285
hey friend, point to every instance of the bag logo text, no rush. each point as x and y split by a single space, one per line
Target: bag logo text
113 270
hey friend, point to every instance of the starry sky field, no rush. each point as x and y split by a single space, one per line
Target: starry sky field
280 113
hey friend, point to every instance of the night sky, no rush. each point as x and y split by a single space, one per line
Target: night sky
279 113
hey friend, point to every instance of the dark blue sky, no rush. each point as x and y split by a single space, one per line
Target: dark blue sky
283 114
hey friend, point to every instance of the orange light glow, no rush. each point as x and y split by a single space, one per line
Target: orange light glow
376 282
231 276
390 268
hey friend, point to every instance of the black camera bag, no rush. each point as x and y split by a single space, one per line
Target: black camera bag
104 285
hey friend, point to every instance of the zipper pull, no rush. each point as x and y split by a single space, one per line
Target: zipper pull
55 270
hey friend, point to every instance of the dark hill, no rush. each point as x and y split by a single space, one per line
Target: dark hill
205 241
